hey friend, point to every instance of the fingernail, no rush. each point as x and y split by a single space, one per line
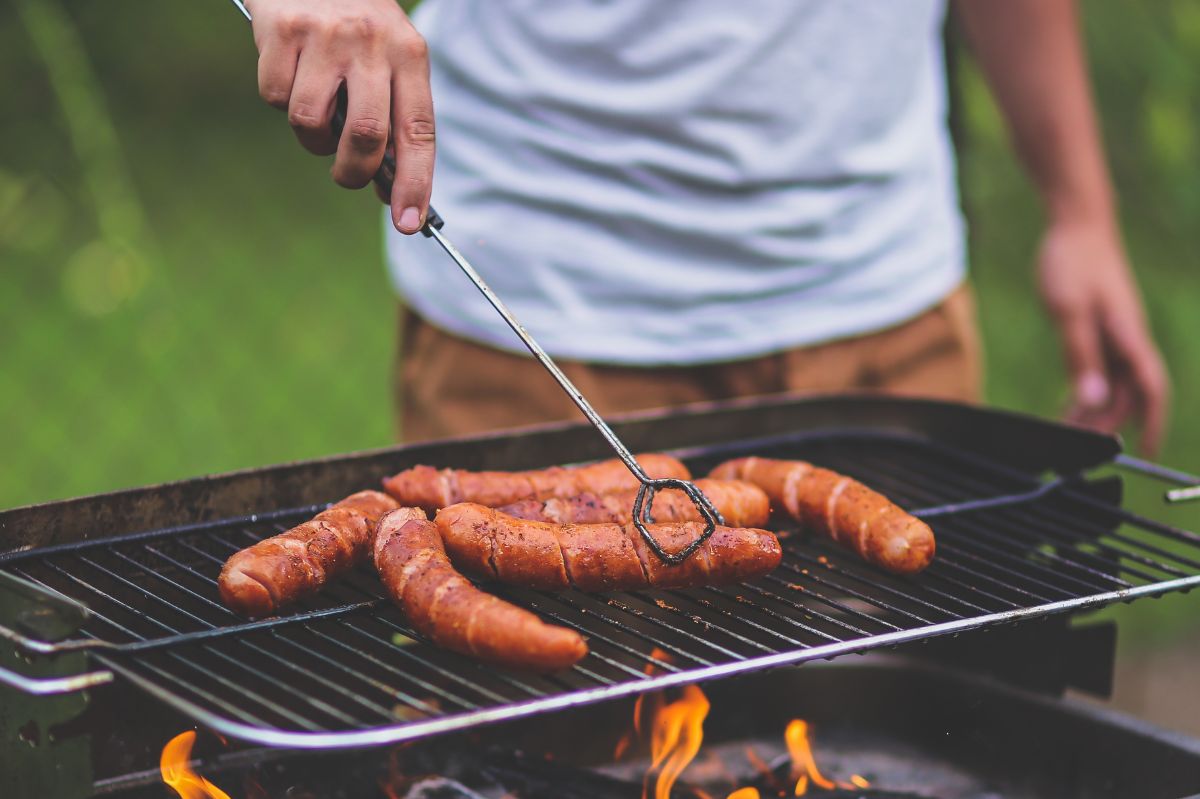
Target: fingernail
410 220
1092 390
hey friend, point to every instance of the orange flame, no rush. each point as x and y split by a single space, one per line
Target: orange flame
639 704
675 737
178 774
804 765
677 732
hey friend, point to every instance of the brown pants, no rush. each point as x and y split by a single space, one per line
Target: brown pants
447 386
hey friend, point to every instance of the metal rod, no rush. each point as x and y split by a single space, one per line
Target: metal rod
708 625
649 486
713 606
245 11
286 662
808 628
412 730
807 575
338 665
1183 494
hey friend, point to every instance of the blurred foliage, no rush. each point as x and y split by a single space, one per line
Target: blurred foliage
185 292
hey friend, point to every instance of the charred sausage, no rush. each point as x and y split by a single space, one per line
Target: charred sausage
432 489
263 578
840 508
445 607
598 557
742 504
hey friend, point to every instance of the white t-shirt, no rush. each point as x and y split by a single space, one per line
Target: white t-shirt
648 182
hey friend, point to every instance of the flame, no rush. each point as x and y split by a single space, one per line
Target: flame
675 737
804 765
639 705
178 774
676 732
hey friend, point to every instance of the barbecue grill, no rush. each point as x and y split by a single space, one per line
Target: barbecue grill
122 586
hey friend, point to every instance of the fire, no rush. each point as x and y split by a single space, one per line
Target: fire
639 707
804 765
676 731
178 774
675 737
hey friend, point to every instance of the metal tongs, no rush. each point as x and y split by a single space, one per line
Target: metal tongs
649 486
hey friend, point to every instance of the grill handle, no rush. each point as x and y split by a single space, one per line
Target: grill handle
53 686
42 623
1190 483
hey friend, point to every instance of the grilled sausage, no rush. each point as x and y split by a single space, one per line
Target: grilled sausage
742 504
432 489
598 557
840 508
263 578
445 607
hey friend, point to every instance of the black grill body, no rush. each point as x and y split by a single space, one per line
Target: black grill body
1022 535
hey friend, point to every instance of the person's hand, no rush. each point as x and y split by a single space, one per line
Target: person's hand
1115 368
308 49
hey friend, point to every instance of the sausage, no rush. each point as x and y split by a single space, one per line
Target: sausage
261 579
598 557
840 508
432 489
446 608
742 504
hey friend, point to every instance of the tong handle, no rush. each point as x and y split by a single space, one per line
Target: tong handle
387 170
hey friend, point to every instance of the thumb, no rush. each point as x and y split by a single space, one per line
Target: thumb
1085 360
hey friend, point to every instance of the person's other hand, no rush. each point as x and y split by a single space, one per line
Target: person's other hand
1115 367
308 49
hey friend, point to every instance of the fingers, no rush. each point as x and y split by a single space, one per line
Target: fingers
365 134
413 135
314 94
1129 380
308 51
1084 354
1155 392
277 72
1109 417
1147 377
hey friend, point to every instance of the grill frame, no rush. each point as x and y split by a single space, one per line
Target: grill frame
1056 447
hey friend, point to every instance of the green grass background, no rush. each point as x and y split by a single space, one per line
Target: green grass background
184 291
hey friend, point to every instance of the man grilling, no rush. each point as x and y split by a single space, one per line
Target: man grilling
710 199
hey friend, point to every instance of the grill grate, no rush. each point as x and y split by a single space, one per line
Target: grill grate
345 669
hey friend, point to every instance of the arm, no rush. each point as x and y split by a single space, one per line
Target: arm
307 49
1031 54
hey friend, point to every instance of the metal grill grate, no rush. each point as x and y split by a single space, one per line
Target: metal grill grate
346 670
